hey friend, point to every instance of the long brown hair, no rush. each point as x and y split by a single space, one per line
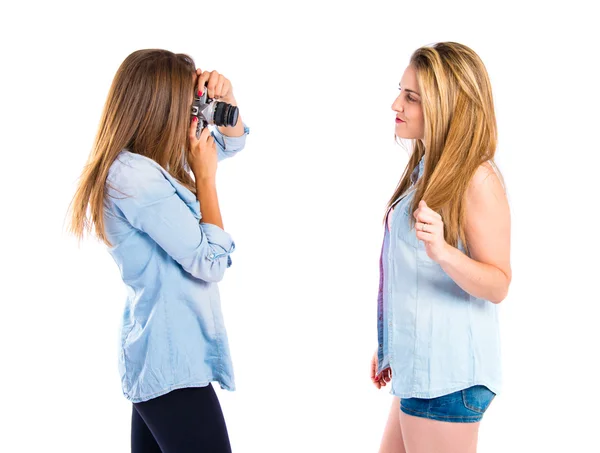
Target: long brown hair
459 131
147 112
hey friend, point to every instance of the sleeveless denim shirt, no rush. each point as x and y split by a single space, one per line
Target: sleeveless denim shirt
436 338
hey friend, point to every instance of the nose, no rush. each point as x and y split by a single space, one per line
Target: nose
397 106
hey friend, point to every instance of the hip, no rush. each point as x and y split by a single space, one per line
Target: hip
463 406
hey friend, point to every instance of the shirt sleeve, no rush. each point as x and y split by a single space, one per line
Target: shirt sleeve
229 146
153 206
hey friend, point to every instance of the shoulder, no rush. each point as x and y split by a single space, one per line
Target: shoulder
139 177
483 174
486 204
485 185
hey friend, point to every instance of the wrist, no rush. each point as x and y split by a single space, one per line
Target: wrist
446 255
206 181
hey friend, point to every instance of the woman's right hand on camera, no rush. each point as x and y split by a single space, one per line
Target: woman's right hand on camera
379 380
202 155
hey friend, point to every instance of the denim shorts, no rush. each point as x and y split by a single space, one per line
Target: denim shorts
464 406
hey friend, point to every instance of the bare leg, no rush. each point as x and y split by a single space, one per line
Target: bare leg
423 435
392 441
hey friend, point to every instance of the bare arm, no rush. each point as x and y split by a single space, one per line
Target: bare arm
487 274
206 193
204 164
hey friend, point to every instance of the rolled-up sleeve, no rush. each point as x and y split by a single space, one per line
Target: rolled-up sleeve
220 239
229 146
202 249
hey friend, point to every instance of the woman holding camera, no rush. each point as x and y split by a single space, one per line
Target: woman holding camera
165 232
445 260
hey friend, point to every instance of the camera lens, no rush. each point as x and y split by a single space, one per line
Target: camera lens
225 114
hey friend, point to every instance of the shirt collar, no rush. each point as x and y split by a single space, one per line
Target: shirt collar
418 171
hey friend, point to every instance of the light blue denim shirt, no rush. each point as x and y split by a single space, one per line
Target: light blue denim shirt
172 332
435 337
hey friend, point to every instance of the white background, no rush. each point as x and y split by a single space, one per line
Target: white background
304 202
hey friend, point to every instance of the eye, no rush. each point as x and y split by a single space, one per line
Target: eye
408 96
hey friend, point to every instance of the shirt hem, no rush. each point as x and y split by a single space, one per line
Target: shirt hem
141 399
441 392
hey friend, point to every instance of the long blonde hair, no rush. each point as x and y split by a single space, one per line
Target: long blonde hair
147 112
459 131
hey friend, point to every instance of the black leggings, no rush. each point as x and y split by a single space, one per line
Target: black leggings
182 421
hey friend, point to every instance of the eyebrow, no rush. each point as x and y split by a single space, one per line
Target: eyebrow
409 90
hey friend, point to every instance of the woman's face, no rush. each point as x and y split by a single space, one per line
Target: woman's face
409 112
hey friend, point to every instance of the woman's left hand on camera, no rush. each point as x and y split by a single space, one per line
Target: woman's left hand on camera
218 86
430 229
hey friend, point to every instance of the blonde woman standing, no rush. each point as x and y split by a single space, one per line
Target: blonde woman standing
164 230
445 260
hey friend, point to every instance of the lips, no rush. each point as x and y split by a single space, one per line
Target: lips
398 120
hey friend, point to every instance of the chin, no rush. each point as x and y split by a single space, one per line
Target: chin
403 135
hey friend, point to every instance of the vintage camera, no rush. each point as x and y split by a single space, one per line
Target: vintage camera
208 111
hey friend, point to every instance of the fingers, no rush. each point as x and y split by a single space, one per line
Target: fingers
374 371
425 236
425 227
212 83
428 221
427 231
377 382
425 217
423 208
386 375
379 379
192 130
205 135
206 139
217 85
383 378
203 80
428 224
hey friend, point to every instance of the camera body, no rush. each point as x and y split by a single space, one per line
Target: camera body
208 111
